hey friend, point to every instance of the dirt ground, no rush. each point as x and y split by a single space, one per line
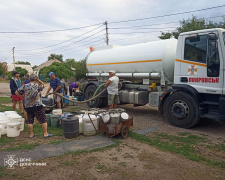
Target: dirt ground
131 159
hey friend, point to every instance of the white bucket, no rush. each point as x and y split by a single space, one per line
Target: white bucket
13 129
10 112
70 102
88 128
21 120
57 112
14 118
4 126
0 130
2 114
3 118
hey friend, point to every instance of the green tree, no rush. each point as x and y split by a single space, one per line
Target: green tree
2 69
22 62
80 69
56 56
22 72
70 62
61 70
191 25
34 66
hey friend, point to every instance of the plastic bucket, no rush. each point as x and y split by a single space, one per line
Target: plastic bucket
57 112
13 129
74 99
3 118
48 117
80 123
55 121
70 125
0 130
65 100
10 112
21 120
4 126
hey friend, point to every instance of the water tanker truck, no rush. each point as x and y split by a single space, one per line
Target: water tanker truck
184 78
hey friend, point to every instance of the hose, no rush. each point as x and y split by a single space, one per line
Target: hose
94 97
97 90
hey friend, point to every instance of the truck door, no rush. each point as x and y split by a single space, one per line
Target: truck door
200 66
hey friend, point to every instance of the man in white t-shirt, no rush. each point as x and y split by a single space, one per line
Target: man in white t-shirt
112 88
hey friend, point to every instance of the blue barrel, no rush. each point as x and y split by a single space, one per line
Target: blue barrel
70 125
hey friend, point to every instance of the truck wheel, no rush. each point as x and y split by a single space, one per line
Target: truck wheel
181 110
96 103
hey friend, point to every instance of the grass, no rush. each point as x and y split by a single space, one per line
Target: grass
185 145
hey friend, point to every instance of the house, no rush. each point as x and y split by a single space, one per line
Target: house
10 67
47 63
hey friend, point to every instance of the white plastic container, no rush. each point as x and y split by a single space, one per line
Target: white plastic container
10 112
13 129
4 126
124 116
70 102
57 112
80 123
88 128
0 130
21 120
2 114
14 118
3 118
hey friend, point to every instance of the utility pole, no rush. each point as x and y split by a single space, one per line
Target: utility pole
107 35
14 59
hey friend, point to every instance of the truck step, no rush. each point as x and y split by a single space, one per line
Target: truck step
211 103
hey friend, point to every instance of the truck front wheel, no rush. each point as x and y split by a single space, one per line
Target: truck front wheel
181 110
96 103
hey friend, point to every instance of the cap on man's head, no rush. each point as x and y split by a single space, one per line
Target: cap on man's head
111 71
51 73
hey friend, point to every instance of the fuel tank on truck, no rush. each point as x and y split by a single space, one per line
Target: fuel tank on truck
150 57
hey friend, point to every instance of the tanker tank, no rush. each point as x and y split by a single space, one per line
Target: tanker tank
144 58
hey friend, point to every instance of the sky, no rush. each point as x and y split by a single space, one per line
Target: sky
38 28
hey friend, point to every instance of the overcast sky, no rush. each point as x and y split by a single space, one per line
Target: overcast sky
70 27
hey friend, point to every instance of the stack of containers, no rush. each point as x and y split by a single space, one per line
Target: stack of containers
12 123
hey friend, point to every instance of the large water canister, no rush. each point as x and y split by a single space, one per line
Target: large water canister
70 125
150 57
88 128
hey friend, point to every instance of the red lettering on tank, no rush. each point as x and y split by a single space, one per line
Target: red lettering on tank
203 80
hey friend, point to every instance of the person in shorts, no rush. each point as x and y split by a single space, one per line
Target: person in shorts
33 105
16 83
113 91
55 84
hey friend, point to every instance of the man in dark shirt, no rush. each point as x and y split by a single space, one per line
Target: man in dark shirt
56 85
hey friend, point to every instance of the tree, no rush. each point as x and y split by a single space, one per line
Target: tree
2 69
191 25
22 62
22 72
34 66
56 56
61 70
80 69
70 62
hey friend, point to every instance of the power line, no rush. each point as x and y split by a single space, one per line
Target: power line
51 30
154 17
63 41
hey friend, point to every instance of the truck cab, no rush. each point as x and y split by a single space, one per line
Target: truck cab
199 75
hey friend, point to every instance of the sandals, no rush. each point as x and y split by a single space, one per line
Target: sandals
49 135
32 136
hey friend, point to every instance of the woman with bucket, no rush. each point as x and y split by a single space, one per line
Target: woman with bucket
33 104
